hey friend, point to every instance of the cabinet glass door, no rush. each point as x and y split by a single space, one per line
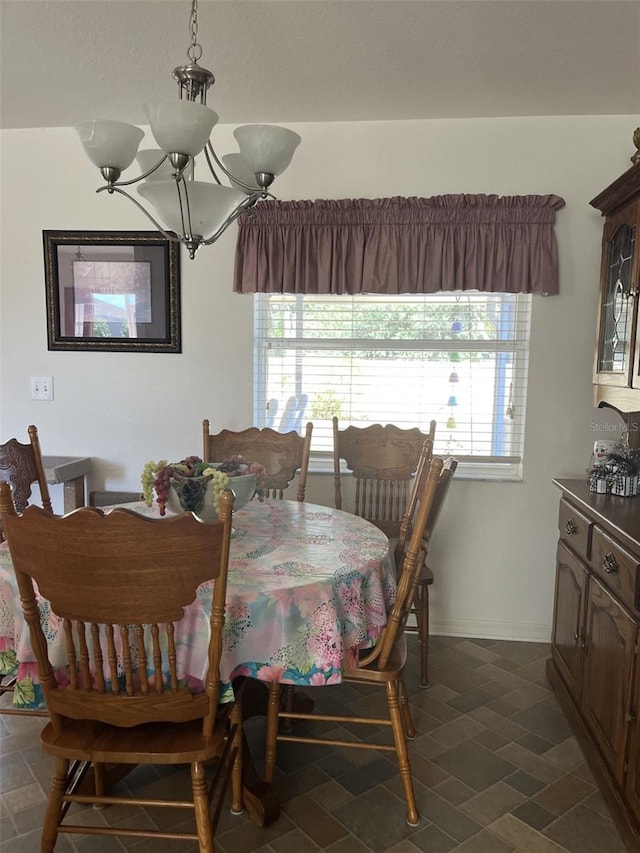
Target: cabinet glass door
616 314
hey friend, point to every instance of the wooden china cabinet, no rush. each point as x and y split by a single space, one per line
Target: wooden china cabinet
617 358
595 666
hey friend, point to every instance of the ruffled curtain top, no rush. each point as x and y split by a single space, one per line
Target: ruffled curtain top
502 244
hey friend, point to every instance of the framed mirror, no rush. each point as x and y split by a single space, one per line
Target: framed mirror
112 291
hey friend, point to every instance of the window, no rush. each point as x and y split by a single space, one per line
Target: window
459 358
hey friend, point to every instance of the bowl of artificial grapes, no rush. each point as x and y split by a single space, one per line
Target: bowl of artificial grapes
195 486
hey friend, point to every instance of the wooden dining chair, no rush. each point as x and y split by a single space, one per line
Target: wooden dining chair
21 466
420 606
384 460
382 667
283 454
119 582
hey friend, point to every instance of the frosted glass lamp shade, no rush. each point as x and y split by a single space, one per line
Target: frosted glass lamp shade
210 204
181 127
239 168
147 158
109 143
266 147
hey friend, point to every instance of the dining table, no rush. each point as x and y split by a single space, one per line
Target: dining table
308 587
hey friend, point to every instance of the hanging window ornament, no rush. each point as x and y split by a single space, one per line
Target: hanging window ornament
456 328
511 406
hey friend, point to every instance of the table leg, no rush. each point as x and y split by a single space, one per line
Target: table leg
273 720
259 797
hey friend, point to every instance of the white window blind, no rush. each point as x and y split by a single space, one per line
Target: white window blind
458 358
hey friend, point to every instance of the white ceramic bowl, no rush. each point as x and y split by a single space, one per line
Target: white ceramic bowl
243 486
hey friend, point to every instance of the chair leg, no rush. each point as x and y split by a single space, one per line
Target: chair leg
273 708
289 691
236 772
424 635
393 688
409 728
54 806
201 807
98 777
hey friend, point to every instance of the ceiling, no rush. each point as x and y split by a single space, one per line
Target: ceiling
64 61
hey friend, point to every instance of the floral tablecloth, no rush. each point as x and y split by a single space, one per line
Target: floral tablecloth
308 586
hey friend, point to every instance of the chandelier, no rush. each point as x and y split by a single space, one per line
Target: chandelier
189 209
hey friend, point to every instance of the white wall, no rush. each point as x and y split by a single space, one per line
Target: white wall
494 550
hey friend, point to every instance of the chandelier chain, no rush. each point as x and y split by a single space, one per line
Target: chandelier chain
194 51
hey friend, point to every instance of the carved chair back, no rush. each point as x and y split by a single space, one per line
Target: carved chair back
281 454
21 465
383 459
119 582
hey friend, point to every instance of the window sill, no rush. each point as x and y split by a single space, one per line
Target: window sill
482 472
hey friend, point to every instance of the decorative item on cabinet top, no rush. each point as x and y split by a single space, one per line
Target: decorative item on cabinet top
615 469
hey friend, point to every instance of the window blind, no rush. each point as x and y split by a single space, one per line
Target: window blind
458 358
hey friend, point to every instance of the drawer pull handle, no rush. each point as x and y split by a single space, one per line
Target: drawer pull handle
609 564
570 526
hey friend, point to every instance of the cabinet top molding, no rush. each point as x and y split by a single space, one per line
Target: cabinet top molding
623 190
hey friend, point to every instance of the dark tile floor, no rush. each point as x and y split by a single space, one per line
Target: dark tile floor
495 765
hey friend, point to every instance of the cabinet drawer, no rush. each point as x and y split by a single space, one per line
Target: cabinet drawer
617 567
575 529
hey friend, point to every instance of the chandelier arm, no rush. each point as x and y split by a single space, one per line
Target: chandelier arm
244 205
114 188
140 177
231 218
208 156
221 166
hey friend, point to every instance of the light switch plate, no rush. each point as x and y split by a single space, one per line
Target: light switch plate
42 387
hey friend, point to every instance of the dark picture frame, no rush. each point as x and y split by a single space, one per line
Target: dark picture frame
112 291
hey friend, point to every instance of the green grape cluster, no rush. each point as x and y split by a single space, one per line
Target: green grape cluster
220 482
148 479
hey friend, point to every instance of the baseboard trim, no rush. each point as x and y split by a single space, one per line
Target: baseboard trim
531 632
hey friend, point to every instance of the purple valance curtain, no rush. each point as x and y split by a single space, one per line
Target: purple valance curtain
400 245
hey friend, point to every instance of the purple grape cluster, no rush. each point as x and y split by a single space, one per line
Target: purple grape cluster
162 485
234 466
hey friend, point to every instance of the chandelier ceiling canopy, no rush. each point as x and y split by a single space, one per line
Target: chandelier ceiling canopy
189 211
